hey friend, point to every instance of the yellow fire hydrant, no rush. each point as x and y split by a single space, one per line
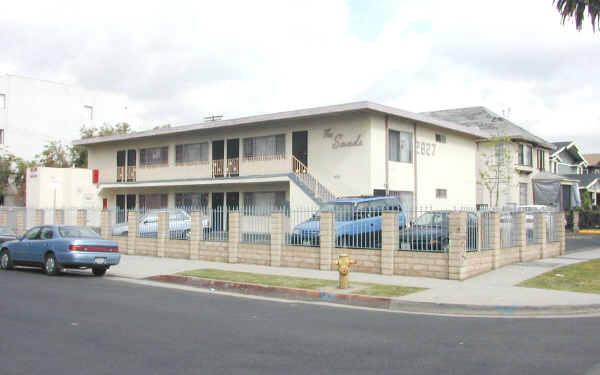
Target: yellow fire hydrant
344 262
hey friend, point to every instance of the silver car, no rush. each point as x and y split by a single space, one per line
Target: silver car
180 224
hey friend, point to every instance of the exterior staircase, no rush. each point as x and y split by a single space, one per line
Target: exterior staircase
309 183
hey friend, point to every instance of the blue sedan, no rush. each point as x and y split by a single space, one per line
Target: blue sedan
56 247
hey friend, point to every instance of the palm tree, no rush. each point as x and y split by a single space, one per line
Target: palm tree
577 8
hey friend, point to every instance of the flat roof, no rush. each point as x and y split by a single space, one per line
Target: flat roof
288 115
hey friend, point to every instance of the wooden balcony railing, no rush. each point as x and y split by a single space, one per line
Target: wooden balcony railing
298 167
218 168
131 173
120 174
233 167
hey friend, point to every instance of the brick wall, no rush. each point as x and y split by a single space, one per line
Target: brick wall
177 249
368 261
213 251
146 246
254 254
300 257
477 262
413 263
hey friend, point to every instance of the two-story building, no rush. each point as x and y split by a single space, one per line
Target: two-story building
297 158
511 162
567 159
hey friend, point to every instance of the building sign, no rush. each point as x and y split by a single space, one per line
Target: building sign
33 173
340 142
425 148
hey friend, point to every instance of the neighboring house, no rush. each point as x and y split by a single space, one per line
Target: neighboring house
298 158
34 111
593 163
567 159
60 188
523 155
589 182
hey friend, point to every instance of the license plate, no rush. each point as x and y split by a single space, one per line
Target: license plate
100 260
405 246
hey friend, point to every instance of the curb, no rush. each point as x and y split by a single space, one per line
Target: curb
383 303
589 231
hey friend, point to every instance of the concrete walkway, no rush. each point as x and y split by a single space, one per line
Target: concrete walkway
495 288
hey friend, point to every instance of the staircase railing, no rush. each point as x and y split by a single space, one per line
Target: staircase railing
310 181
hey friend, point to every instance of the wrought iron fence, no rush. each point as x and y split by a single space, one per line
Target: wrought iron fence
302 227
215 224
485 230
358 228
509 229
553 224
255 224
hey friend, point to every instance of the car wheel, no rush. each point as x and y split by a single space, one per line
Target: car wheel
51 266
5 260
99 271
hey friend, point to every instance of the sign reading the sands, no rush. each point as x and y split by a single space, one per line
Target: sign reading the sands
340 142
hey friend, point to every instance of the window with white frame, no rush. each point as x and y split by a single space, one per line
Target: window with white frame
400 146
2 101
89 112
525 155
153 201
441 193
191 153
263 201
266 147
541 160
154 156
499 153
191 201
440 138
523 189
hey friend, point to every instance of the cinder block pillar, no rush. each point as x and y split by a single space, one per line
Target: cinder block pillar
495 238
276 238
3 217
163 234
234 236
105 227
327 239
38 218
561 234
521 234
540 231
59 217
132 231
457 250
575 221
389 241
195 235
82 218
20 222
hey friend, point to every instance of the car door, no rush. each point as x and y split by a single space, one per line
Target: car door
43 244
23 253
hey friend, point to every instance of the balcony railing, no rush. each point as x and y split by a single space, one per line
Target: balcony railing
120 174
233 167
131 173
218 168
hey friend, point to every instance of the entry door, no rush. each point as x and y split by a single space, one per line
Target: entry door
121 211
131 162
121 156
218 154
233 155
217 210
130 202
300 146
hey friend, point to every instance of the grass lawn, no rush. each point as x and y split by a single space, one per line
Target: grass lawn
299 282
581 277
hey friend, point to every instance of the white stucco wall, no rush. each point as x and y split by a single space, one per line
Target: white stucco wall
74 188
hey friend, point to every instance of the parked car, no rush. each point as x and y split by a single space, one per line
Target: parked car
357 222
56 247
7 234
431 232
180 223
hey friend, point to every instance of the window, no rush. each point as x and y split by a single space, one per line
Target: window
2 101
89 112
269 147
264 200
154 156
153 201
499 151
440 138
191 201
523 193
33 234
192 153
441 193
47 233
525 155
1 136
541 160
401 146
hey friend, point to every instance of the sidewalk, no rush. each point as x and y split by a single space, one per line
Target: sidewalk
495 289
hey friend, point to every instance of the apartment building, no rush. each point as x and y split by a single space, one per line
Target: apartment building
298 158
511 162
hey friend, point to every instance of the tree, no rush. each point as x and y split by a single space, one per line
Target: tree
54 155
576 9
496 173
13 171
78 154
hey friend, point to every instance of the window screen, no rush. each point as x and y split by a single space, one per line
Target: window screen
154 156
265 147
197 152
400 146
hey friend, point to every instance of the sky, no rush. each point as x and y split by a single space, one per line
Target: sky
179 61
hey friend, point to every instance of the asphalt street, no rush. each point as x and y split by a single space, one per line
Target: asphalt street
79 324
580 242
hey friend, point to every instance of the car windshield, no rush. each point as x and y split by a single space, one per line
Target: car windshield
77 232
434 218
6 231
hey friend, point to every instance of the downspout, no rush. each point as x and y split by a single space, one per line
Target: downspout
415 168
387 156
